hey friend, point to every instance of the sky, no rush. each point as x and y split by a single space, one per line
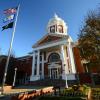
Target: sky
33 19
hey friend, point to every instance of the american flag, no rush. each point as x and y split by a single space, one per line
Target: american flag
10 11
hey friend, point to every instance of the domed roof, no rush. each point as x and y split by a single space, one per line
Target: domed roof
57 22
55 19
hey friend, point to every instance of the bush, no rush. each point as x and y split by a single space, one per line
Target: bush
75 87
75 90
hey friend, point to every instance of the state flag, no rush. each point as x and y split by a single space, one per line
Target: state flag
8 18
10 11
10 25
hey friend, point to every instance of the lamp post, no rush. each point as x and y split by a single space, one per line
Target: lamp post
66 81
14 77
66 77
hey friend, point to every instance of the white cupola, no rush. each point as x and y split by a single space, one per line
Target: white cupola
56 25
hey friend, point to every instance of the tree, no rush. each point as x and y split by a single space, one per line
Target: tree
89 38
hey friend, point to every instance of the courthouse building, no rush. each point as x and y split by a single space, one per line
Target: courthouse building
53 54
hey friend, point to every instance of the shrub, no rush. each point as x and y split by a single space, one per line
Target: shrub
75 90
75 87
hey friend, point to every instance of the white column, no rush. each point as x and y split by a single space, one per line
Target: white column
64 66
71 58
33 67
62 58
38 63
43 65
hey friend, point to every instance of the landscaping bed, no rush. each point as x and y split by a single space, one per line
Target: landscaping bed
60 98
76 92
96 93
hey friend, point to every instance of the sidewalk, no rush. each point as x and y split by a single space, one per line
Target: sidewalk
21 89
17 90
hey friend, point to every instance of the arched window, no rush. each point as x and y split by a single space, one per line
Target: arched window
60 28
52 29
54 57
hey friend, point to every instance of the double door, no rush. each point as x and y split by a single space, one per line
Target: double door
54 73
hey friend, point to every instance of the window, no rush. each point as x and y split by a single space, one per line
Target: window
52 29
60 28
54 57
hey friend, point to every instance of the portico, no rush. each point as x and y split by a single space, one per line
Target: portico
53 55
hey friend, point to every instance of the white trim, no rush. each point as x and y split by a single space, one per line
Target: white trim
58 33
51 44
53 65
50 34
40 39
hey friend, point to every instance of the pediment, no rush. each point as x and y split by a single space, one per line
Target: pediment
49 38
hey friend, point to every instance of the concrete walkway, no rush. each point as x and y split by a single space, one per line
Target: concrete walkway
17 90
20 89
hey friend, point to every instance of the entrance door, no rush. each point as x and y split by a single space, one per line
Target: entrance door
54 73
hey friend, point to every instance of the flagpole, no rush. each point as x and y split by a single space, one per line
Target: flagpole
9 52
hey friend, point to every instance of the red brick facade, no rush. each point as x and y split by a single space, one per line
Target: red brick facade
23 65
77 58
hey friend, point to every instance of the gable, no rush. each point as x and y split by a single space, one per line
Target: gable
49 39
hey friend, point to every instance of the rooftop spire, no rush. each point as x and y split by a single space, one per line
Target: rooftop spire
55 15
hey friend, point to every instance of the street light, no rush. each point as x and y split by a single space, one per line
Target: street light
66 78
66 81
14 77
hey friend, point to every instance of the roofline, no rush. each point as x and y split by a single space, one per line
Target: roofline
48 34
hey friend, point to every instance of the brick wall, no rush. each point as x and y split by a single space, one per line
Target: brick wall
77 58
